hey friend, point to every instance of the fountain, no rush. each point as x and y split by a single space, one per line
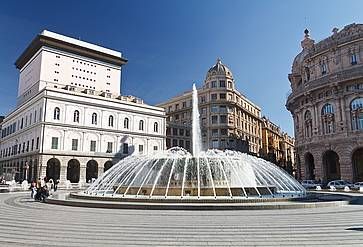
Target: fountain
176 175
197 137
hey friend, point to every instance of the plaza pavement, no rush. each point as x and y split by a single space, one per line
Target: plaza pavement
24 222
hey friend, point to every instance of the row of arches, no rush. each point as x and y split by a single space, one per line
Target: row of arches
73 169
331 165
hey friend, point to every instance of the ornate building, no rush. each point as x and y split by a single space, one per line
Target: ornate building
277 146
71 123
229 120
326 103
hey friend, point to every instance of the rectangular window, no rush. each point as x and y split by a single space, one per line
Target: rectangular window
181 143
214 84
155 148
214 119
32 145
202 99
224 132
223 119
222 83
54 142
222 96
213 97
175 143
141 149
37 145
40 114
93 146
324 68
215 144
74 144
184 104
109 147
223 109
125 148
204 111
175 131
353 59
187 145
214 108
204 121
214 132
187 132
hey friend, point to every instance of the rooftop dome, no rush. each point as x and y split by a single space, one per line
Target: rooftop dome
219 69
176 174
307 43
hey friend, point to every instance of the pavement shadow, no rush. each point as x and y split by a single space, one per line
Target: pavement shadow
360 229
357 200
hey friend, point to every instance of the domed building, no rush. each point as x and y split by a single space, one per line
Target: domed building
326 103
229 120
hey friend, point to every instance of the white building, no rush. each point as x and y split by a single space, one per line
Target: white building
70 122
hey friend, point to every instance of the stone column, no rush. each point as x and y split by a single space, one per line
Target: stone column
301 166
345 162
100 170
42 172
82 173
318 162
346 170
63 173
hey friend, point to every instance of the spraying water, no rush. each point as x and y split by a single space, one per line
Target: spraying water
175 173
197 138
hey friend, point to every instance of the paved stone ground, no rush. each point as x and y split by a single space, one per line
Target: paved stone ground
24 222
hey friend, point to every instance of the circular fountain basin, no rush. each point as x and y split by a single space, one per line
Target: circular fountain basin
175 176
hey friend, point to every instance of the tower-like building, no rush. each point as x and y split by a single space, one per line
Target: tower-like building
326 103
71 123
229 120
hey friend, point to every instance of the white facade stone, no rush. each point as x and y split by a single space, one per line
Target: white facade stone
35 134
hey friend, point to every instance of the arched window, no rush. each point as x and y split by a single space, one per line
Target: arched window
76 116
94 118
356 109
327 109
156 127
110 121
327 118
141 125
307 115
353 59
126 123
56 113
308 124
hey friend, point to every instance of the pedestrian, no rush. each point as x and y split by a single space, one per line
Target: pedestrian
33 188
37 196
44 193
56 185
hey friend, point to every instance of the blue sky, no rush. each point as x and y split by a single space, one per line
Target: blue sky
171 44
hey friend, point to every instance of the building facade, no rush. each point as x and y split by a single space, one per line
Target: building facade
326 103
71 123
228 119
278 146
